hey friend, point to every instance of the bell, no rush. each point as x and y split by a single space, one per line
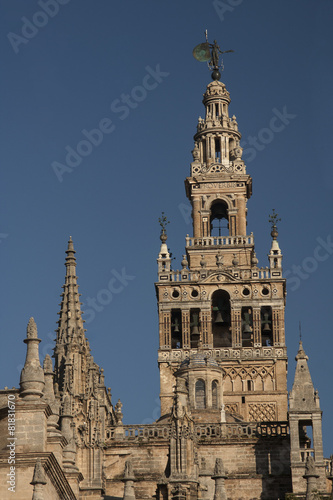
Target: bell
195 330
218 319
247 323
247 328
266 328
176 325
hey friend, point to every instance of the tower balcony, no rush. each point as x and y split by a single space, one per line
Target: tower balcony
229 241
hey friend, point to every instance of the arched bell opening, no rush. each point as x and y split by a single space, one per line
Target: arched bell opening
195 327
247 327
219 219
176 329
266 326
200 394
221 319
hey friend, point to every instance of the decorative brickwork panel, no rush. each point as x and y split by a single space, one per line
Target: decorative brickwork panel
205 318
236 328
262 412
278 328
256 328
186 328
166 329
231 408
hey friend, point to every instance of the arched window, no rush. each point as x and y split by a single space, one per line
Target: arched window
200 394
221 319
219 220
250 385
214 394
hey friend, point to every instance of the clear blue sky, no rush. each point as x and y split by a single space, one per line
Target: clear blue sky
70 74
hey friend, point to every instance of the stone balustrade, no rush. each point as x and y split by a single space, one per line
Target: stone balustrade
219 241
155 432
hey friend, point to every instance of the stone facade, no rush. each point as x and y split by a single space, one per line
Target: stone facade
227 429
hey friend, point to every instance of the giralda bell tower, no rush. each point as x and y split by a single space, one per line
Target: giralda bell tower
221 317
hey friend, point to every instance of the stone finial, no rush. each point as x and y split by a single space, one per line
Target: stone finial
47 365
39 474
235 260
32 374
32 329
48 377
219 468
254 260
184 262
101 376
38 481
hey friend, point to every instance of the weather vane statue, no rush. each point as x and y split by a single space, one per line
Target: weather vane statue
210 53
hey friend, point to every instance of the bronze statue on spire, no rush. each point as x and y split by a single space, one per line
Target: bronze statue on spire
210 53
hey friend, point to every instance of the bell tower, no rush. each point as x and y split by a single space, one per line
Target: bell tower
221 307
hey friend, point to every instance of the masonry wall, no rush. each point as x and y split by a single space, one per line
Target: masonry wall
149 463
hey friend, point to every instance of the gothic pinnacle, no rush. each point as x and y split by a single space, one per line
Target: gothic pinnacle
38 481
70 259
32 374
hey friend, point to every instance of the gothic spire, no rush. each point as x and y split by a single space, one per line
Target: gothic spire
70 320
70 331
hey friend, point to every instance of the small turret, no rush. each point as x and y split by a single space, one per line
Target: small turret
164 258
305 418
275 255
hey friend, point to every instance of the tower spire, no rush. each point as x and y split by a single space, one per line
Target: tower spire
70 331
70 316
